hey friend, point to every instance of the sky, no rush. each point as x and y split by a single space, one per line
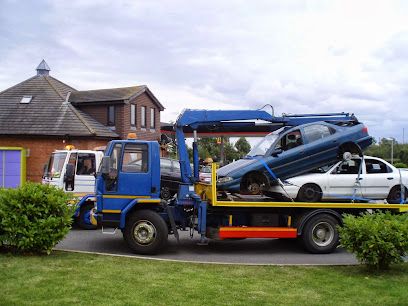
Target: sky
298 56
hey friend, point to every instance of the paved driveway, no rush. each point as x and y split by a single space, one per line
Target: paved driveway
249 251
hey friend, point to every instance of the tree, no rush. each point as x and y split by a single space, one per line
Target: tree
242 146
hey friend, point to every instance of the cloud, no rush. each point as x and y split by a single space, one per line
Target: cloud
299 56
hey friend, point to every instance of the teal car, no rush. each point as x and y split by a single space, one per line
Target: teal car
291 151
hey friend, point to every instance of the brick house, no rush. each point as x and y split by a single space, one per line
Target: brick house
42 114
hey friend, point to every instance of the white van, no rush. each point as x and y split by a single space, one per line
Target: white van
81 182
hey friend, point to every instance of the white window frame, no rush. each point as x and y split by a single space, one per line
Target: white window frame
152 118
132 115
143 117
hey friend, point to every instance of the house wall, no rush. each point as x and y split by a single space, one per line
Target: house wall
98 112
122 118
39 150
143 133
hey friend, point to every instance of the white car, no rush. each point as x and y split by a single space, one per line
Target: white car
378 180
205 174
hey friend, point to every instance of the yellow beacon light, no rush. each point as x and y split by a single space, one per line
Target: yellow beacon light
69 147
132 136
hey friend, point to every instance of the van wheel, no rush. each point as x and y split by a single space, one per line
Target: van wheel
84 218
394 197
320 235
146 232
309 193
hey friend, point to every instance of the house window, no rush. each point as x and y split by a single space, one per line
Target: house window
133 115
152 118
143 116
111 115
26 99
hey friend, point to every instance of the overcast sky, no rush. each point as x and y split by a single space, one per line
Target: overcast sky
299 56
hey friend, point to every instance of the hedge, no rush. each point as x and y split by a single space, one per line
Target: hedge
378 239
34 218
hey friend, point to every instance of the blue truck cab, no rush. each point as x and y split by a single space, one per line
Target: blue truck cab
129 175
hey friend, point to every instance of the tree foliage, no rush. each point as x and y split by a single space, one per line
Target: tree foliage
242 146
208 147
382 149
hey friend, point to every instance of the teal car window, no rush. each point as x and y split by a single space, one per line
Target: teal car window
315 132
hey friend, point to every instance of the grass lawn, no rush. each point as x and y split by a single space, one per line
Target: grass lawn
69 278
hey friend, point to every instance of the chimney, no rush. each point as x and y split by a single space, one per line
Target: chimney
43 68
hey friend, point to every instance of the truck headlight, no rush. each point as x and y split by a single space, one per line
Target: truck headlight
224 179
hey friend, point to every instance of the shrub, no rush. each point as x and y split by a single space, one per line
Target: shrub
400 165
378 240
34 217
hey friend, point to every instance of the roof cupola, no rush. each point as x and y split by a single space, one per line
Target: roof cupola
43 68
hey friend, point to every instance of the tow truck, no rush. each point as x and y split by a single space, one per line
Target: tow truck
128 194
73 170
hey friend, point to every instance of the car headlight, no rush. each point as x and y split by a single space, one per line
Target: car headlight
224 179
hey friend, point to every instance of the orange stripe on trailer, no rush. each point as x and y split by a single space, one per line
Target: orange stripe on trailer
257 232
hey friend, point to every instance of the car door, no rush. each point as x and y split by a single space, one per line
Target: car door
380 178
320 145
342 180
85 173
290 151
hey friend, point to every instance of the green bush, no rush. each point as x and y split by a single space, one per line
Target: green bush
400 165
378 240
33 218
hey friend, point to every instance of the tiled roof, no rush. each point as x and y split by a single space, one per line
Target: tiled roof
111 95
47 113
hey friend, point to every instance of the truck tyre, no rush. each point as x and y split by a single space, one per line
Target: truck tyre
309 193
84 218
320 235
146 232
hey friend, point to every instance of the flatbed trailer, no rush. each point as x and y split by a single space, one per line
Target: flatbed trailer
317 218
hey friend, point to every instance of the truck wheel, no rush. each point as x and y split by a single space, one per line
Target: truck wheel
146 232
320 235
309 193
84 218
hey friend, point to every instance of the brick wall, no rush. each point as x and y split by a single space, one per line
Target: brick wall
143 133
98 112
39 150
122 117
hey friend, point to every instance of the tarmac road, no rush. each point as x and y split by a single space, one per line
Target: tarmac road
249 251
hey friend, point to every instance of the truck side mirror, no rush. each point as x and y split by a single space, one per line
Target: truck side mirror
276 152
69 177
105 165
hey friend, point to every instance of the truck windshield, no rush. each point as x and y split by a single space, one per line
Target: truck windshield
56 164
264 145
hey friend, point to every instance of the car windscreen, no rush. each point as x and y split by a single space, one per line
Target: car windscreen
55 164
264 145
205 169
